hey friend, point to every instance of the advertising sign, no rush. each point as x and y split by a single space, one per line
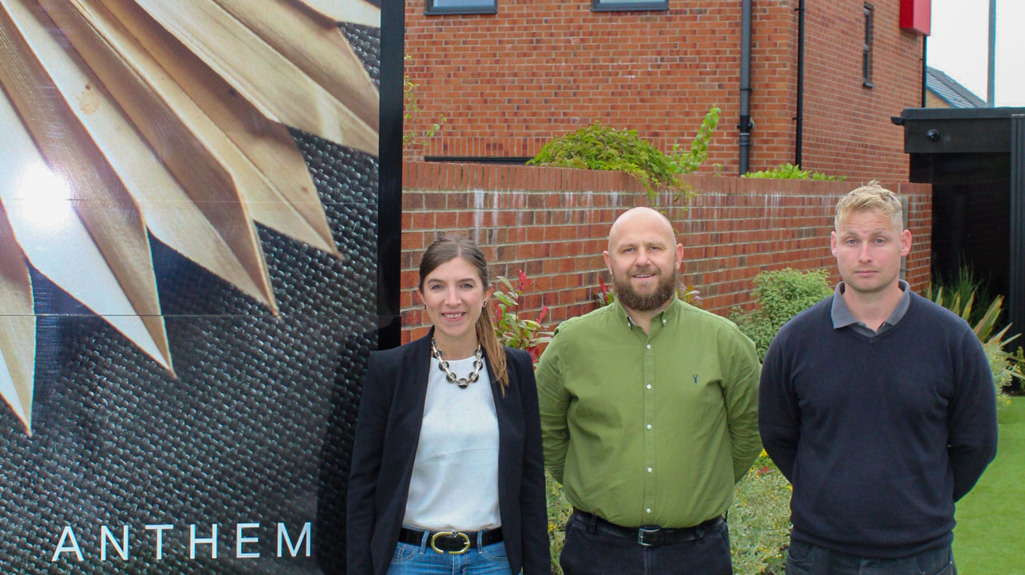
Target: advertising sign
189 280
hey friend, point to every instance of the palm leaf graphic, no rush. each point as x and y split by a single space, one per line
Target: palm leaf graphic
317 91
167 118
17 322
354 11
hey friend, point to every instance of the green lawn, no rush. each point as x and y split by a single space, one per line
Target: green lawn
990 535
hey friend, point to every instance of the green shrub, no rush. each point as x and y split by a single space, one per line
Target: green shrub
511 327
559 511
686 162
1005 366
792 172
1003 375
958 289
781 295
760 520
1016 369
597 147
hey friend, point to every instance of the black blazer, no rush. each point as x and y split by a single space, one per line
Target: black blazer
387 433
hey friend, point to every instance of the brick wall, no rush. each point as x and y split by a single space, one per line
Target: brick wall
846 122
553 224
509 82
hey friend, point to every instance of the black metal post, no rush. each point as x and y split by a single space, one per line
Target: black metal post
1016 281
389 192
799 119
745 124
925 68
991 97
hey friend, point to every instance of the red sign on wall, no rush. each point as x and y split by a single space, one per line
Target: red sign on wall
915 15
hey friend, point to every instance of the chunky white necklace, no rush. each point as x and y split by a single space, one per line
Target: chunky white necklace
462 382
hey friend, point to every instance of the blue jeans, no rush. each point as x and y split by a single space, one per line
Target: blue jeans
592 550
807 559
422 560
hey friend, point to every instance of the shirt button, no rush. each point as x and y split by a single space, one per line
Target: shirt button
649 470
649 346
649 426
649 386
648 510
663 321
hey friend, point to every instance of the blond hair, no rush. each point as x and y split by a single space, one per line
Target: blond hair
871 196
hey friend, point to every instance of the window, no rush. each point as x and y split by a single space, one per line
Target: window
866 48
624 5
462 6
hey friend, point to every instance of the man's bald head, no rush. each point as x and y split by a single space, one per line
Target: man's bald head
641 217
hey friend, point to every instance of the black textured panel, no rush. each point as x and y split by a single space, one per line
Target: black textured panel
253 427
366 42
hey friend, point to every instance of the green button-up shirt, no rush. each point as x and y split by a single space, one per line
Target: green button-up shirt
652 428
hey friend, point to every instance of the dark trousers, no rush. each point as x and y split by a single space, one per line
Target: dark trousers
807 559
592 548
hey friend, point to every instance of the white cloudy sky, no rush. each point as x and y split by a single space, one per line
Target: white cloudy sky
959 46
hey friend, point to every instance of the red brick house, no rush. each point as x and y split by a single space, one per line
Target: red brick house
825 77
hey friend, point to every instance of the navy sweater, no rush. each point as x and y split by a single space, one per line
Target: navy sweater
878 435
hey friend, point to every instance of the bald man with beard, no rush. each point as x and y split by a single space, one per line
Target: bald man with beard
648 416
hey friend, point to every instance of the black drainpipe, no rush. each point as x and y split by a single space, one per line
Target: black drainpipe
799 120
745 124
925 71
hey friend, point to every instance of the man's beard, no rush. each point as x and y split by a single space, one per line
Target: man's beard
630 299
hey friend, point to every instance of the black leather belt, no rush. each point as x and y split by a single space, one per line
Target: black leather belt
651 535
453 542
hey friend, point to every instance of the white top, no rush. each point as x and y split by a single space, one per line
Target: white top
455 475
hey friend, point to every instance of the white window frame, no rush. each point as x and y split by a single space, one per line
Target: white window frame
461 7
628 5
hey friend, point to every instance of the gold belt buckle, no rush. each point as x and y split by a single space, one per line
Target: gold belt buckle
466 541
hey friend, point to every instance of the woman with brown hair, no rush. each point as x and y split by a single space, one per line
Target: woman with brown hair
447 469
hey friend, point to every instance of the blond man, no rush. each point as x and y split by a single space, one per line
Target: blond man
878 405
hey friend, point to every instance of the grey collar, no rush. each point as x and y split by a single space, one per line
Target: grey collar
842 317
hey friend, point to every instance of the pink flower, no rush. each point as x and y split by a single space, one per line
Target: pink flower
544 310
524 281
